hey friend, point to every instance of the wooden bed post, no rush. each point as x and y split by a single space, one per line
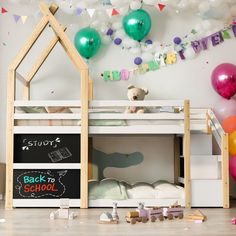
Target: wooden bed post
186 142
84 138
11 83
90 167
225 169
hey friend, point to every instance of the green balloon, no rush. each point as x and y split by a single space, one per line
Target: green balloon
87 42
137 24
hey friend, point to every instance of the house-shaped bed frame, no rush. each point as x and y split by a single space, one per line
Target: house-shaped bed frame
86 93
183 122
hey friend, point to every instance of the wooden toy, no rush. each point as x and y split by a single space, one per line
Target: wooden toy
143 214
106 218
133 216
63 212
174 210
110 218
196 216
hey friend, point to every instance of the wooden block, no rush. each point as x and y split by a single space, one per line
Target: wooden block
131 214
197 215
108 222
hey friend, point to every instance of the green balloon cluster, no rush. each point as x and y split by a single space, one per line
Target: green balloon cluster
137 24
87 42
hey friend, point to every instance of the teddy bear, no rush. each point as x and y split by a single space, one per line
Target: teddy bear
136 94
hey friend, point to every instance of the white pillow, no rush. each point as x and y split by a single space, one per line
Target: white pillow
167 190
141 191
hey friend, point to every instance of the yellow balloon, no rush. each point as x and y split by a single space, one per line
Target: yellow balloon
232 143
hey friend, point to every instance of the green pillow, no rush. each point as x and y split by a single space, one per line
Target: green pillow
34 109
107 189
107 122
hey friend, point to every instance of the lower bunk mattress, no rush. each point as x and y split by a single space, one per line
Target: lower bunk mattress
160 193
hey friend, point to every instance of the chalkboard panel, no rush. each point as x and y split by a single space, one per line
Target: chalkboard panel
47 148
41 184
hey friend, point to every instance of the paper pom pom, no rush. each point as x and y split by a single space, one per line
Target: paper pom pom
118 41
138 60
109 31
148 41
177 40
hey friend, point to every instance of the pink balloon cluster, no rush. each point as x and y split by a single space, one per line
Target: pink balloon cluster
223 80
232 167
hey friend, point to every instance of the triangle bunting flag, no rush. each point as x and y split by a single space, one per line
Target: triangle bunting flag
91 12
4 10
161 6
16 18
114 12
24 18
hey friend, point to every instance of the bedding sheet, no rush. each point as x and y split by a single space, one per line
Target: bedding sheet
121 190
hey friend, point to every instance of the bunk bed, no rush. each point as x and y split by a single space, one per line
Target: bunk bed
88 117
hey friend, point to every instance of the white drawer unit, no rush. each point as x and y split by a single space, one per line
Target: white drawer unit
205 166
207 193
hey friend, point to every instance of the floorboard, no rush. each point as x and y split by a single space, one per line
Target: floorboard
36 222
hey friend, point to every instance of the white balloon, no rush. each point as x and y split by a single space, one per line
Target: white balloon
119 3
90 3
38 15
117 25
148 48
183 4
204 7
215 3
233 10
74 28
103 28
189 53
207 24
95 24
146 56
123 10
129 43
67 8
135 5
106 39
150 2
135 51
120 33
20 1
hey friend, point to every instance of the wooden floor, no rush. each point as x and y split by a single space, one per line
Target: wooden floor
32 221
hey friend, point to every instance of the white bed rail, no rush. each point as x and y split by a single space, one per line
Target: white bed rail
47 103
164 116
216 128
104 110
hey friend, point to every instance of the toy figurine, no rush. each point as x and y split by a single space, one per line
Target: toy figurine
110 218
114 212
63 212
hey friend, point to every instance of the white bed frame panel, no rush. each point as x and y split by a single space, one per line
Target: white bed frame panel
134 202
198 124
43 202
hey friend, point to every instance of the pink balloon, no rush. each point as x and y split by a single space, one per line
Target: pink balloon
223 79
232 167
224 109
